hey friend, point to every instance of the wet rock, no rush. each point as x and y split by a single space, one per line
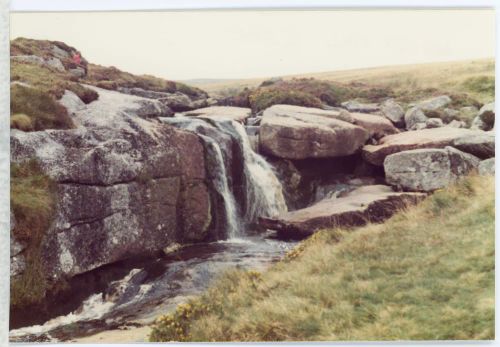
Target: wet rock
366 204
426 138
293 132
427 169
239 114
487 167
481 145
355 106
394 112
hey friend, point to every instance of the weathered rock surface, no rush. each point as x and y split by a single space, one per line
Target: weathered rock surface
239 114
427 169
413 117
394 112
366 204
434 103
457 124
17 259
294 132
126 186
487 167
180 102
377 126
356 106
481 145
485 119
51 62
426 138
433 123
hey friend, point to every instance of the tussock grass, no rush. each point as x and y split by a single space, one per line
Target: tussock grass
42 109
32 199
425 274
21 121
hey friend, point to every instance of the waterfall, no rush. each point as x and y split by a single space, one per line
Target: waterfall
263 193
219 175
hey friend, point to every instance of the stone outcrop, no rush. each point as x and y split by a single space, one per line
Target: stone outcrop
366 204
487 167
427 169
485 119
126 186
426 138
481 145
413 117
394 112
294 132
239 114
377 126
434 103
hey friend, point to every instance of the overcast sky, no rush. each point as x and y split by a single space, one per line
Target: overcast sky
246 44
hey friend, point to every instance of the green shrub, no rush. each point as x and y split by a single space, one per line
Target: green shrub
264 98
44 111
32 200
21 121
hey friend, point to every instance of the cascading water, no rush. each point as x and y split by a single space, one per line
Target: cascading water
222 187
263 193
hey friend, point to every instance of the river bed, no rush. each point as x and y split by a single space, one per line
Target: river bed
125 307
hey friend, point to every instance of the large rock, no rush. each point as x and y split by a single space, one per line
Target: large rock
294 132
487 167
481 145
366 204
126 186
426 138
356 106
434 103
180 102
239 114
377 126
413 117
485 119
427 169
394 112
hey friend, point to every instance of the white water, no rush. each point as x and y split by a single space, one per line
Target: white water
232 218
264 190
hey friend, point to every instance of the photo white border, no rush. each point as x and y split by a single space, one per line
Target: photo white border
147 5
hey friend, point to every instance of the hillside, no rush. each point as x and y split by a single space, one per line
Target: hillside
475 77
420 276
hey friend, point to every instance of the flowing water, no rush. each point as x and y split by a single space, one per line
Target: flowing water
133 293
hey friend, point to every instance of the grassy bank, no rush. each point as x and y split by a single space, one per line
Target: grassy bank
32 200
425 274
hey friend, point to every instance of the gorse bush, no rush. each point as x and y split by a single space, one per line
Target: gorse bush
421 275
32 200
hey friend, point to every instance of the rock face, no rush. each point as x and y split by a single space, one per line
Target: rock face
427 169
239 114
377 126
145 182
485 119
481 145
426 138
294 132
487 167
413 117
394 112
366 204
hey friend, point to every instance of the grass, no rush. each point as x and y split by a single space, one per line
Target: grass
113 78
32 200
43 111
408 82
419 276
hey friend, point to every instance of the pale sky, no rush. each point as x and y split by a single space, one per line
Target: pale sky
245 44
